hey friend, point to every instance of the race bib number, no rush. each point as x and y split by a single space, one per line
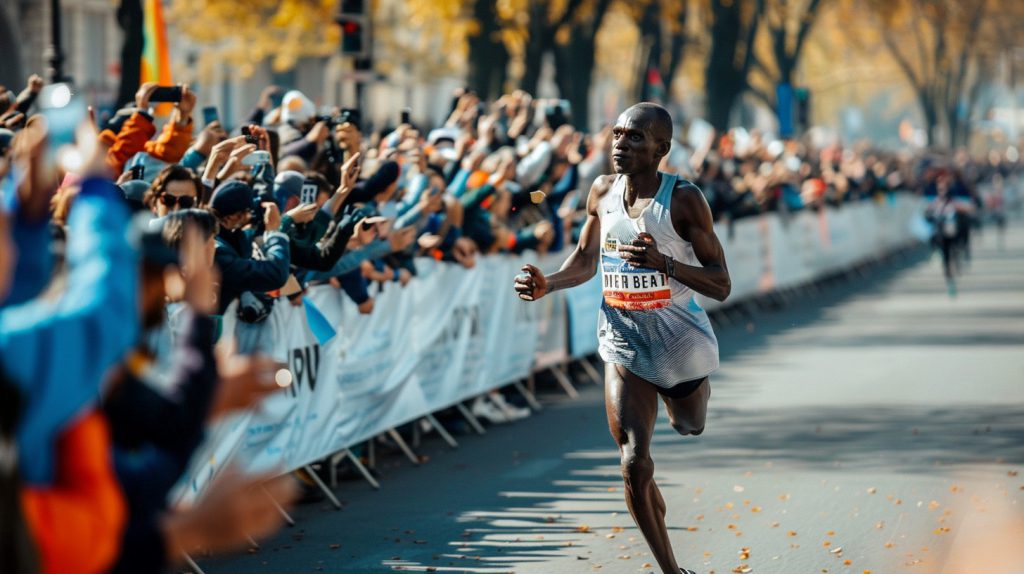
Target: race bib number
632 288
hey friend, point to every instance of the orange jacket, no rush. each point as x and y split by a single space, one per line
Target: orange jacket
77 522
135 136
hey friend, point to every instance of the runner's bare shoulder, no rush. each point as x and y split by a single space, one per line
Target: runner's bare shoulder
602 185
689 208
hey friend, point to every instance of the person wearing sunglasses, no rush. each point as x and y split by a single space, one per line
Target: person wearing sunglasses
175 187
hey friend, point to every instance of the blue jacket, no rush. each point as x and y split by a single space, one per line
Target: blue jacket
58 350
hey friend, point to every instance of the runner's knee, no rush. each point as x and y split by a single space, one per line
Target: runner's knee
637 469
687 429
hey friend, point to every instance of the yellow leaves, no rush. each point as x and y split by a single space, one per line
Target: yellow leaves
247 32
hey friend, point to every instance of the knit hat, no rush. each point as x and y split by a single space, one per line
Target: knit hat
134 190
231 197
296 107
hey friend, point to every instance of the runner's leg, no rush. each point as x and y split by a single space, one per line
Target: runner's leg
688 414
632 407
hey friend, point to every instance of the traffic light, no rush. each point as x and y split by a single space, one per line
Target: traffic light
354 23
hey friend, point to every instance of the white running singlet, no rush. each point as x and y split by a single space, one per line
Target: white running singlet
650 324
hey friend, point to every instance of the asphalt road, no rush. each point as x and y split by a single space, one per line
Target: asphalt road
877 426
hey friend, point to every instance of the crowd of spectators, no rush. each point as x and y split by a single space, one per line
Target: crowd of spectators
119 268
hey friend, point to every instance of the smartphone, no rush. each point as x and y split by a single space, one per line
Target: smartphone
64 110
249 138
309 192
138 172
210 115
166 94
406 117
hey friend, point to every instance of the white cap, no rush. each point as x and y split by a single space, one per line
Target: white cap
296 107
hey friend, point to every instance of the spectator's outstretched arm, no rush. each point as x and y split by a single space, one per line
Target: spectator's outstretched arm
252 275
130 140
28 96
177 133
351 260
89 327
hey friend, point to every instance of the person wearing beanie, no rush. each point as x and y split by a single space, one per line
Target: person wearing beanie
134 193
232 204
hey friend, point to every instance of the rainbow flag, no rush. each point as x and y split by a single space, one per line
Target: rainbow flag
156 58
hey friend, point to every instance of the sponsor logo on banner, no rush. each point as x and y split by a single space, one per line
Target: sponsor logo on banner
304 363
633 288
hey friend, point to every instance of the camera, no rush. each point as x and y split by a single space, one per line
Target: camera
249 138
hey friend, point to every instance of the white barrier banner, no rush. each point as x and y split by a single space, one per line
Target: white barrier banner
457 333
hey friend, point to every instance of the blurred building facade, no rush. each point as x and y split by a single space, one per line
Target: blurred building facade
91 43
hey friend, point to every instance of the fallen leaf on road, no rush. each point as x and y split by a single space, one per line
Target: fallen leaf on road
888 544
792 533
647 565
872 490
616 529
831 533
583 528
784 497
1012 473
624 557
756 509
837 550
847 562
933 505
775 524
880 525
609 536
826 543
738 488
729 505
691 529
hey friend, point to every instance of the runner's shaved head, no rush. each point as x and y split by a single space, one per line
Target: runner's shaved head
655 118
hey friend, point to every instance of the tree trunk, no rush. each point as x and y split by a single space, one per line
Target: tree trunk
650 39
130 18
723 85
676 47
931 121
537 44
488 54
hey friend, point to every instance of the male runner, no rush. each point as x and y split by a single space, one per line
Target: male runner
653 236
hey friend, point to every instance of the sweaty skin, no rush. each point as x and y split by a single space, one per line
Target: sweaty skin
642 136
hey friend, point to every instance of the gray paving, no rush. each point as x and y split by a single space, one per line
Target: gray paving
875 427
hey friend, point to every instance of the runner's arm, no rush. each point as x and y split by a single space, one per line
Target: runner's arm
692 218
581 264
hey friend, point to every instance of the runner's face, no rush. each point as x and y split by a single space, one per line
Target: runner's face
634 146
